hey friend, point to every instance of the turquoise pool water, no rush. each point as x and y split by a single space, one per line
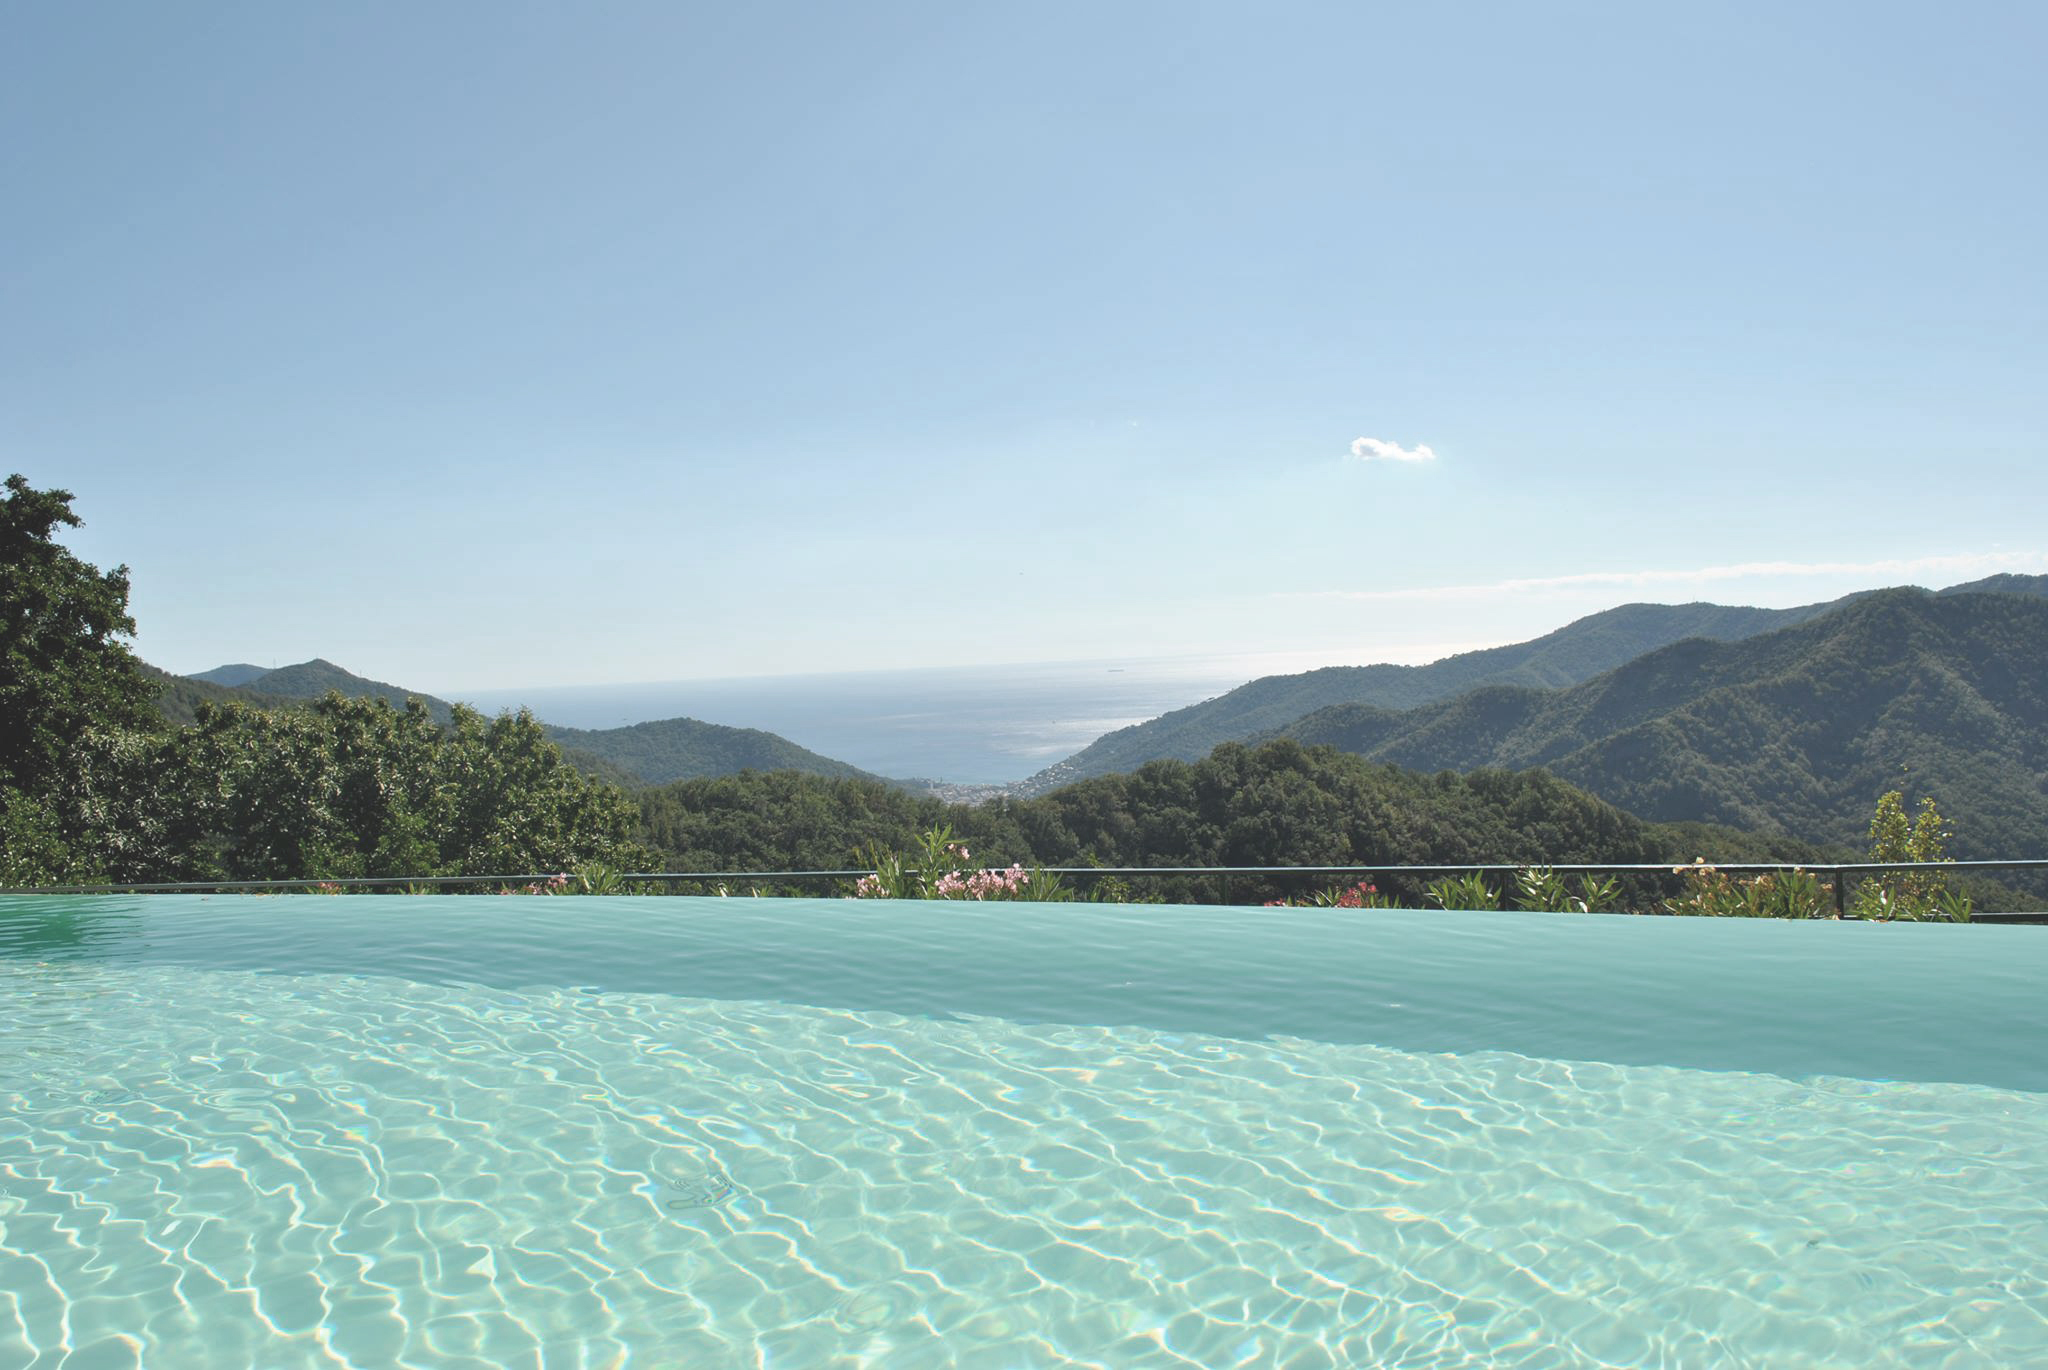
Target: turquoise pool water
579 1132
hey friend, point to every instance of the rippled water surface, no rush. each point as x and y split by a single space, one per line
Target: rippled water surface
485 1132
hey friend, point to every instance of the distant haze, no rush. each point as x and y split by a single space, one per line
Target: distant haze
969 725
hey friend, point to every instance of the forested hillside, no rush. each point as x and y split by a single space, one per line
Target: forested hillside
642 754
178 697
1575 652
312 680
1789 733
1278 804
2005 584
1792 731
685 749
100 779
234 673
339 787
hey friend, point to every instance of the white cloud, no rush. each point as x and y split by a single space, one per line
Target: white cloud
1378 449
1967 566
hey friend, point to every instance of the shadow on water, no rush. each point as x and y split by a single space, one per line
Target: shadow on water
68 927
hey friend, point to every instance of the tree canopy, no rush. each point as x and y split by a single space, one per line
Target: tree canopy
95 784
1278 804
64 668
65 675
353 787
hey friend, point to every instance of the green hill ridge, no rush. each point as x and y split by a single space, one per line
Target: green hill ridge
641 754
234 674
1576 652
1793 731
686 749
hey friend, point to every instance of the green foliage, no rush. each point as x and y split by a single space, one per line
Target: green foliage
1468 891
684 748
894 874
1790 731
1534 888
1573 653
785 820
1363 895
1712 893
1910 894
1279 804
318 678
1950 906
350 787
34 848
592 877
179 697
644 753
938 867
1285 805
65 677
1113 889
1540 889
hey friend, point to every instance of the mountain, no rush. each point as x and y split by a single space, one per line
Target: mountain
238 673
1795 731
645 753
1578 651
2007 584
312 679
685 749
179 697
1277 804
1575 652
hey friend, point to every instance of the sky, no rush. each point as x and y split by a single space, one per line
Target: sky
480 344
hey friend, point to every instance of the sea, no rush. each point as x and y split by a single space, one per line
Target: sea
960 725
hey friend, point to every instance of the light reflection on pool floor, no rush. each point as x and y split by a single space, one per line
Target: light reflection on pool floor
204 1168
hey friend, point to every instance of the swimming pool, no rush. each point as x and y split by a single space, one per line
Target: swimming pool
324 1131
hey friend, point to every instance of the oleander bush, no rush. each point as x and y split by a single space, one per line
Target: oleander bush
939 867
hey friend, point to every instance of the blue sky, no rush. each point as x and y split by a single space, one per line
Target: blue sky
486 344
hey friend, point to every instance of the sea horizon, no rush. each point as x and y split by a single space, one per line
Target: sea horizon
964 725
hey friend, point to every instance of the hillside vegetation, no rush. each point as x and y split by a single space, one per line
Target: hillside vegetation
1278 804
642 754
309 680
99 780
179 697
233 674
685 749
1576 652
1792 731
338 787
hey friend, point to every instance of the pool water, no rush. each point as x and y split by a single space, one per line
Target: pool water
315 1131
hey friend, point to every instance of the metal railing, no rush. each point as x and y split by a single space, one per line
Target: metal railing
1224 876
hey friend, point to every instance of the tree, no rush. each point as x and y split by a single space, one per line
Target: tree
354 787
1911 893
63 666
65 676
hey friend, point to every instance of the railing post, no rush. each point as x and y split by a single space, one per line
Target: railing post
1841 893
